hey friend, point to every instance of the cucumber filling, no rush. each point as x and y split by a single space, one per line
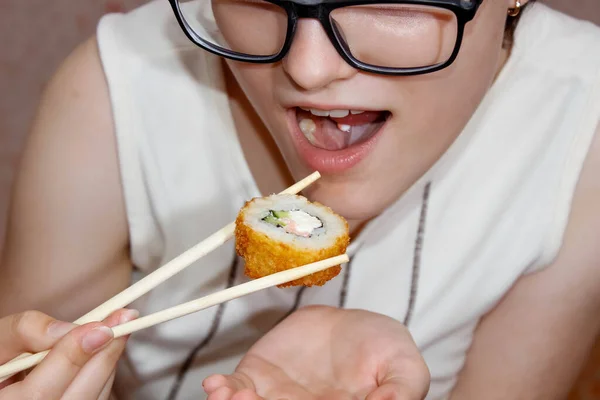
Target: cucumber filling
296 222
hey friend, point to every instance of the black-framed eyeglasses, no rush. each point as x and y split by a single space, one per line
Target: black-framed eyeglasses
393 37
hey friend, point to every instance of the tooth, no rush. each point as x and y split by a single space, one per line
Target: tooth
338 113
319 113
344 128
308 127
354 112
305 109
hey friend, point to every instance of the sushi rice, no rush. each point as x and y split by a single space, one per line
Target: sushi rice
280 232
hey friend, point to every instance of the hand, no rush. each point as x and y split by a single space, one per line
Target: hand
328 353
80 365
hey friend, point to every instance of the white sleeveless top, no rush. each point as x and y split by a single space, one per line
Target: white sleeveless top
492 209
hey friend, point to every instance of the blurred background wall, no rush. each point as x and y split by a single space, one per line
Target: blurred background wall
38 34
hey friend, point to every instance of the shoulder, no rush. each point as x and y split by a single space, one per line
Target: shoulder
554 90
557 46
71 149
573 275
67 217
580 252
155 74
74 108
549 316
545 30
147 32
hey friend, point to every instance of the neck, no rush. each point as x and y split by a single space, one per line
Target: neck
504 56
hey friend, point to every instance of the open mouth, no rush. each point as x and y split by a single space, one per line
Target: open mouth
339 129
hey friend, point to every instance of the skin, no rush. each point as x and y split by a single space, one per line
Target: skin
81 361
314 73
78 234
389 366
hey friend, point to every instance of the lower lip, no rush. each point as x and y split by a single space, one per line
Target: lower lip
329 161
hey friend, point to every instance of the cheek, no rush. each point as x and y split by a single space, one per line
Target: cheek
432 110
256 28
454 94
482 52
259 84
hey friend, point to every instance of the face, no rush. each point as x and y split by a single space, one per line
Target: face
407 123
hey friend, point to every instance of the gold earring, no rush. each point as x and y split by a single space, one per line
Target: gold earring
513 12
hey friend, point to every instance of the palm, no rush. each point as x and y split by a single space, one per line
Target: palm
327 353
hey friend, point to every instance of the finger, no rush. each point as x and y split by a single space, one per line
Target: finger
402 388
246 394
237 386
107 390
214 382
223 393
391 391
30 331
15 378
94 377
53 376
236 381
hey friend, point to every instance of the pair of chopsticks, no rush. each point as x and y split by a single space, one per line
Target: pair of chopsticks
143 286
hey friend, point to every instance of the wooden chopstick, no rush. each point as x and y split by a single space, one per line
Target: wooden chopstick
168 270
193 306
176 265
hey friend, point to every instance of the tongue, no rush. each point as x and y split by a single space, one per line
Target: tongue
325 132
327 135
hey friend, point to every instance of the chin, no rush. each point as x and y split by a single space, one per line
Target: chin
350 200
358 195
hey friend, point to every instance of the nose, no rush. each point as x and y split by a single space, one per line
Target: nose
312 62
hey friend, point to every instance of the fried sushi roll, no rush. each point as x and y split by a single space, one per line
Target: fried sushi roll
280 232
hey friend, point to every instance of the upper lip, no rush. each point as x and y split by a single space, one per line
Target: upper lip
330 107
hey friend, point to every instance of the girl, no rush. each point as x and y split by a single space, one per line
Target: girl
464 159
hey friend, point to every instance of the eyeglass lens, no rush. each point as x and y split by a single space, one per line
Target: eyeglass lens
378 34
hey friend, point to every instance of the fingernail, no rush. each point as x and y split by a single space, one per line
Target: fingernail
97 338
128 315
58 329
